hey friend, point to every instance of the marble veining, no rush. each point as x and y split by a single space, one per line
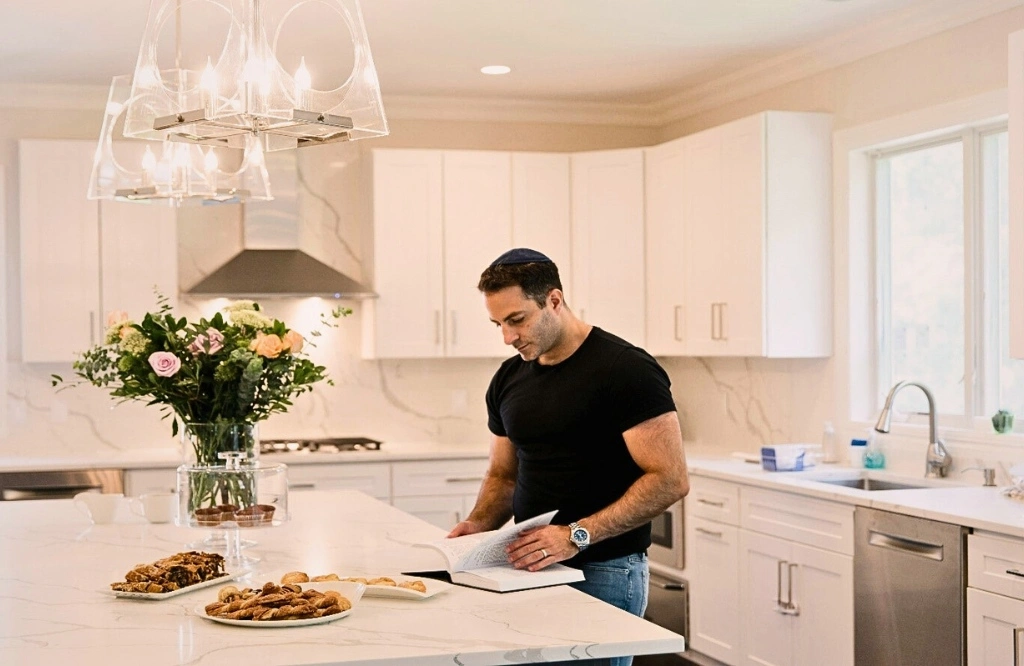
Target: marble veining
55 608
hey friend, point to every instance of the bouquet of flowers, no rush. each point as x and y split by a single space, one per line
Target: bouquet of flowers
218 376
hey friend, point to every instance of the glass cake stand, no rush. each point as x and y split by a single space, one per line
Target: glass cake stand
231 499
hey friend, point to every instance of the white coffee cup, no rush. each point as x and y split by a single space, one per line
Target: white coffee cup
99 507
156 507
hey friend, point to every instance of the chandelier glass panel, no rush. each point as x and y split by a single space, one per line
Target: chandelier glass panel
244 93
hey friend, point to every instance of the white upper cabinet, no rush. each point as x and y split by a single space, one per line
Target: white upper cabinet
477 228
440 217
541 208
608 241
407 319
739 239
665 170
88 256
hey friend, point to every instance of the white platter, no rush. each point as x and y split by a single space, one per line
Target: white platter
351 591
160 596
393 592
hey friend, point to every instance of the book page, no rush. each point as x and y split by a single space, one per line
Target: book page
490 551
484 549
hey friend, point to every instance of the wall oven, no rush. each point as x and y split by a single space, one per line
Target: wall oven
667 538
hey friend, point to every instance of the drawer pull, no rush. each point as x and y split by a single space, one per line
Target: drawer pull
708 532
710 503
301 486
1014 572
463 479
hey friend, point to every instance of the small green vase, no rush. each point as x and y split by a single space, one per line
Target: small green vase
1002 421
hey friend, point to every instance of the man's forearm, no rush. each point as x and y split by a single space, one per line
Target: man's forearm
647 498
493 505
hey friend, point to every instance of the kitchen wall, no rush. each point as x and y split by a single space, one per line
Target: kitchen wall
439 400
725 404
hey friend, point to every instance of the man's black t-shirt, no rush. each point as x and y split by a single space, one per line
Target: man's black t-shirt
566 423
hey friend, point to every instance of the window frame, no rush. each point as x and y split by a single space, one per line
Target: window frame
856 376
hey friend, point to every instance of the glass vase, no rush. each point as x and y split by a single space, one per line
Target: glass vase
212 446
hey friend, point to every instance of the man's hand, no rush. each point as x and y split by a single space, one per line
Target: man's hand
465 527
541 547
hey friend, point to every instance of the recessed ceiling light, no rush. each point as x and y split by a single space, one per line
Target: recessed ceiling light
495 69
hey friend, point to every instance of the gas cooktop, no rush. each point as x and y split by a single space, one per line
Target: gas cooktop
319 445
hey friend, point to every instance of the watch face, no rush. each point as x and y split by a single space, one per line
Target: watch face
579 535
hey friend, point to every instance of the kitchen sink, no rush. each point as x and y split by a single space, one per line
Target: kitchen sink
871 484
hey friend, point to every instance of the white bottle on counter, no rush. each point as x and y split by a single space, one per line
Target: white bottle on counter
858 447
828 444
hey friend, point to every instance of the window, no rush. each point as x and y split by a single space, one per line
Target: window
941 239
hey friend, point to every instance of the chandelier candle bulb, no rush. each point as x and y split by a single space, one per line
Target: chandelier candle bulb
303 82
208 84
148 166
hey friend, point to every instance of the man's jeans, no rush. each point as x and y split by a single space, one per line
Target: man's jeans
622 582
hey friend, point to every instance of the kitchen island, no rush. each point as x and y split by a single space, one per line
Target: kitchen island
55 607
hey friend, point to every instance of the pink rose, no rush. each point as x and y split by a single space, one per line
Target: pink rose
210 342
115 317
164 364
293 341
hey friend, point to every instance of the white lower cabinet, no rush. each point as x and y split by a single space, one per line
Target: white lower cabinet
441 492
374 479
995 600
715 589
797 603
772 583
141 481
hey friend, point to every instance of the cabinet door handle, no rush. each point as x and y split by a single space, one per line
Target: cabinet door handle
710 503
675 322
1017 631
713 307
463 479
301 486
1015 572
437 327
92 328
778 587
721 322
710 533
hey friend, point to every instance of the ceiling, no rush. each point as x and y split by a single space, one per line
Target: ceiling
611 51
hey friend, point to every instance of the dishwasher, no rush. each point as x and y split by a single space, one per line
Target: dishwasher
909 576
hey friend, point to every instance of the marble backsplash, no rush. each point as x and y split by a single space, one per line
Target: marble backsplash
725 405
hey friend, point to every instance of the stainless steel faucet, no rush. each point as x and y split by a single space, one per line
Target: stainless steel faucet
938 460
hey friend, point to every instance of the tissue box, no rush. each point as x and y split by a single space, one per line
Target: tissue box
783 457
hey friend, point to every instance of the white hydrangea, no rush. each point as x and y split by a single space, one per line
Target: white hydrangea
240 306
250 318
134 342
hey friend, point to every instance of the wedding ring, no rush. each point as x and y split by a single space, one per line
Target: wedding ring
544 553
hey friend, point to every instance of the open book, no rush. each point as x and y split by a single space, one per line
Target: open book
480 560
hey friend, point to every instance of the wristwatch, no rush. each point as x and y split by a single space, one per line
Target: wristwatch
579 536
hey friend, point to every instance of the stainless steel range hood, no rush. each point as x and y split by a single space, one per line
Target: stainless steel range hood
282 251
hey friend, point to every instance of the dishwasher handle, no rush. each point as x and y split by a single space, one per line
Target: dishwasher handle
904 545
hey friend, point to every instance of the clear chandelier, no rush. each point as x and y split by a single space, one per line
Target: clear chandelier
243 92
168 171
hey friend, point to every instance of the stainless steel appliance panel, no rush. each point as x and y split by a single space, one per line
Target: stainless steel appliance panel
668 606
667 538
909 579
61 484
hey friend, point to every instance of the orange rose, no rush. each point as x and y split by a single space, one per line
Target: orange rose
293 340
267 346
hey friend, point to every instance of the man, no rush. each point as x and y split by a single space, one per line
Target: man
583 423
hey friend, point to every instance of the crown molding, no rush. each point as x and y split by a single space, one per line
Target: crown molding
412 107
49 96
910 25
914 23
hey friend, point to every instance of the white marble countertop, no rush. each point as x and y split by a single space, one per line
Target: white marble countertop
171 457
978 507
55 608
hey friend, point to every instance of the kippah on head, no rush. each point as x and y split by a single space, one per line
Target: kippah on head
520 255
